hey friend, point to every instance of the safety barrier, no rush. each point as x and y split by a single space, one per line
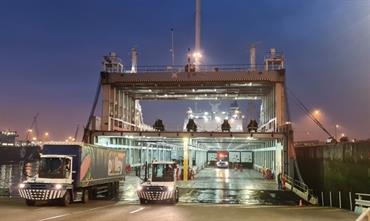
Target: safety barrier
301 189
363 206
206 68
339 199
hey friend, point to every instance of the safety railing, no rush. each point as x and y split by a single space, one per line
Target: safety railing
121 125
204 68
337 198
297 184
363 200
301 189
363 206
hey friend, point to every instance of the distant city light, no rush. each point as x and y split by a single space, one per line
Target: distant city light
316 113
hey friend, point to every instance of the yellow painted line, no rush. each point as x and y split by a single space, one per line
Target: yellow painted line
138 210
100 207
56 217
76 213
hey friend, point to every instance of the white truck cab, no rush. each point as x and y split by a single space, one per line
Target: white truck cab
52 182
161 185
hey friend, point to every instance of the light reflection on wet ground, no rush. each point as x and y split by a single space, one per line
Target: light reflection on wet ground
222 186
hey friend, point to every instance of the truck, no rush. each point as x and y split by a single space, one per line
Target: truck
74 172
161 184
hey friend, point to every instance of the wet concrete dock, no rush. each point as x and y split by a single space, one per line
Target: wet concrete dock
222 186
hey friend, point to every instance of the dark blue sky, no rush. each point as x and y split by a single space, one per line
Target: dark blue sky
51 51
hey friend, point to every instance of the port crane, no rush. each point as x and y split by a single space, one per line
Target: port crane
33 127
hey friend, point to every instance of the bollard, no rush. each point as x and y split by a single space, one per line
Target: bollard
340 199
322 199
350 200
330 202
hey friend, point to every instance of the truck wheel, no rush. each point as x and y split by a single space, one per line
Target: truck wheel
113 190
177 195
92 193
142 201
85 196
66 200
117 189
109 193
174 199
30 202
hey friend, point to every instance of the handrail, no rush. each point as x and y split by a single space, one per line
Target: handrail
298 184
301 189
363 206
207 68
361 201
362 194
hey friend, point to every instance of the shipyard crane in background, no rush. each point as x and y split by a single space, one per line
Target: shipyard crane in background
76 132
33 127
311 116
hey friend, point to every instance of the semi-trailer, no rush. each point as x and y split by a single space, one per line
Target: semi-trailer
74 172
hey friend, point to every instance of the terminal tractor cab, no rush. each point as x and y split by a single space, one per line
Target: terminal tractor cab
159 183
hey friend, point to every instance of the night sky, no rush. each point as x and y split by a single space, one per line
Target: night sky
51 53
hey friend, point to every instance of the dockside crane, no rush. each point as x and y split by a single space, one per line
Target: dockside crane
312 117
76 132
33 127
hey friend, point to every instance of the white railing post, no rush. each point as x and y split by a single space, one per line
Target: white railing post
340 199
350 201
330 199
322 199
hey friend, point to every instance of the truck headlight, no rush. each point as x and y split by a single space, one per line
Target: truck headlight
139 188
22 185
58 186
170 188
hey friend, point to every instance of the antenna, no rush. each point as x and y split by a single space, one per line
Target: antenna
197 25
197 53
172 50
133 61
252 55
